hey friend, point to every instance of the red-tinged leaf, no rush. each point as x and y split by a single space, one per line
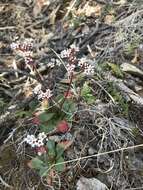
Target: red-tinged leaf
63 127
36 121
41 150
68 95
45 116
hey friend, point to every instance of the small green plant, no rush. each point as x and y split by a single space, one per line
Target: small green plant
2 105
116 70
123 105
131 46
86 94
53 155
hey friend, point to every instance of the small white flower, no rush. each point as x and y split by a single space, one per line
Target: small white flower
70 69
31 140
37 89
58 62
28 60
42 136
28 53
82 62
51 64
65 53
73 46
39 153
14 45
39 143
89 70
28 42
43 95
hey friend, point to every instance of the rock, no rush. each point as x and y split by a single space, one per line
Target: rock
91 151
90 184
129 68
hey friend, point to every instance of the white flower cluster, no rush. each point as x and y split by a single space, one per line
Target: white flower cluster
66 53
70 69
73 46
88 69
42 95
24 49
51 64
45 95
82 62
27 44
36 141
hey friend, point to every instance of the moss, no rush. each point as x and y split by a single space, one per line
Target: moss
119 99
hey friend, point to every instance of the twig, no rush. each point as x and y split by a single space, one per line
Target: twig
69 9
104 91
5 184
17 71
7 27
95 155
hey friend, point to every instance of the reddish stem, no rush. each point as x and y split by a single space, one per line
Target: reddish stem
71 79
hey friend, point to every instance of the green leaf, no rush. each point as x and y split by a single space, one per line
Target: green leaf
59 151
60 167
43 171
22 113
45 116
37 163
33 105
116 70
47 128
69 106
86 93
51 148
85 90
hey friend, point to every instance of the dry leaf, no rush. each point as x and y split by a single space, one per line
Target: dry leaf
65 144
88 10
28 92
53 15
39 5
29 164
44 103
109 19
50 177
85 29
65 81
135 59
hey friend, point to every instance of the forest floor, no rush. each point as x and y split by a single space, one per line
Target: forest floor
87 56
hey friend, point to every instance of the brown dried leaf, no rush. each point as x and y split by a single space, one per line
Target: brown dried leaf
65 144
135 59
29 164
89 10
50 177
109 19
39 5
44 103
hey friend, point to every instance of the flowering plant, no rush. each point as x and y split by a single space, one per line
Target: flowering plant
53 121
